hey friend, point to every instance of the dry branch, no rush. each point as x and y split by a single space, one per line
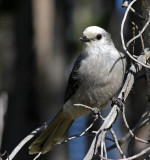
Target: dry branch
137 155
117 143
143 121
24 141
110 119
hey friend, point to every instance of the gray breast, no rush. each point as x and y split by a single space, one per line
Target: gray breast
100 80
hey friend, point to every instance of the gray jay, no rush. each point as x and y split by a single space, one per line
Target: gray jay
96 77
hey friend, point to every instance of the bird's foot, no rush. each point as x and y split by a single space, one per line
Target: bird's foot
97 114
117 101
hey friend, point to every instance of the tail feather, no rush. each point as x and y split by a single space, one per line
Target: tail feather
55 133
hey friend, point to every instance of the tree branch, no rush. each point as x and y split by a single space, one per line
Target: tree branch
110 119
24 141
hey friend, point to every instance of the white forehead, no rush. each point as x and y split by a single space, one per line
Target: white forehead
93 30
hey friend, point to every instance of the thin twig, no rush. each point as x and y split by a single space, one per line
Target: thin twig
84 106
126 4
133 45
2 155
102 146
24 141
144 151
91 109
140 33
105 151
141 122
141 37
100 142
117 143
137 155
38 155
77 136
130 131
83 133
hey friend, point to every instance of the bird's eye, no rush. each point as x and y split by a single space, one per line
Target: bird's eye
99 36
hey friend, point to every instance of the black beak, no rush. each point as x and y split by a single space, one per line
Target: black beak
85 39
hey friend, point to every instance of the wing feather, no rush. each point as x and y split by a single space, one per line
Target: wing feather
74 80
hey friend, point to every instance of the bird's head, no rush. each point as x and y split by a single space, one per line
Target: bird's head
95 35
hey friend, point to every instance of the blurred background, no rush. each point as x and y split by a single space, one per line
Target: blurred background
39 41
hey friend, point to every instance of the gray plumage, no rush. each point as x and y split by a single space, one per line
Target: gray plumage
96 77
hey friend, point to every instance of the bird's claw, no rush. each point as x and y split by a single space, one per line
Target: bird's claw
117 101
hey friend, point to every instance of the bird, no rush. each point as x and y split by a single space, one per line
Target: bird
96 77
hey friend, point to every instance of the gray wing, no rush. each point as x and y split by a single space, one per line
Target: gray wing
74 81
